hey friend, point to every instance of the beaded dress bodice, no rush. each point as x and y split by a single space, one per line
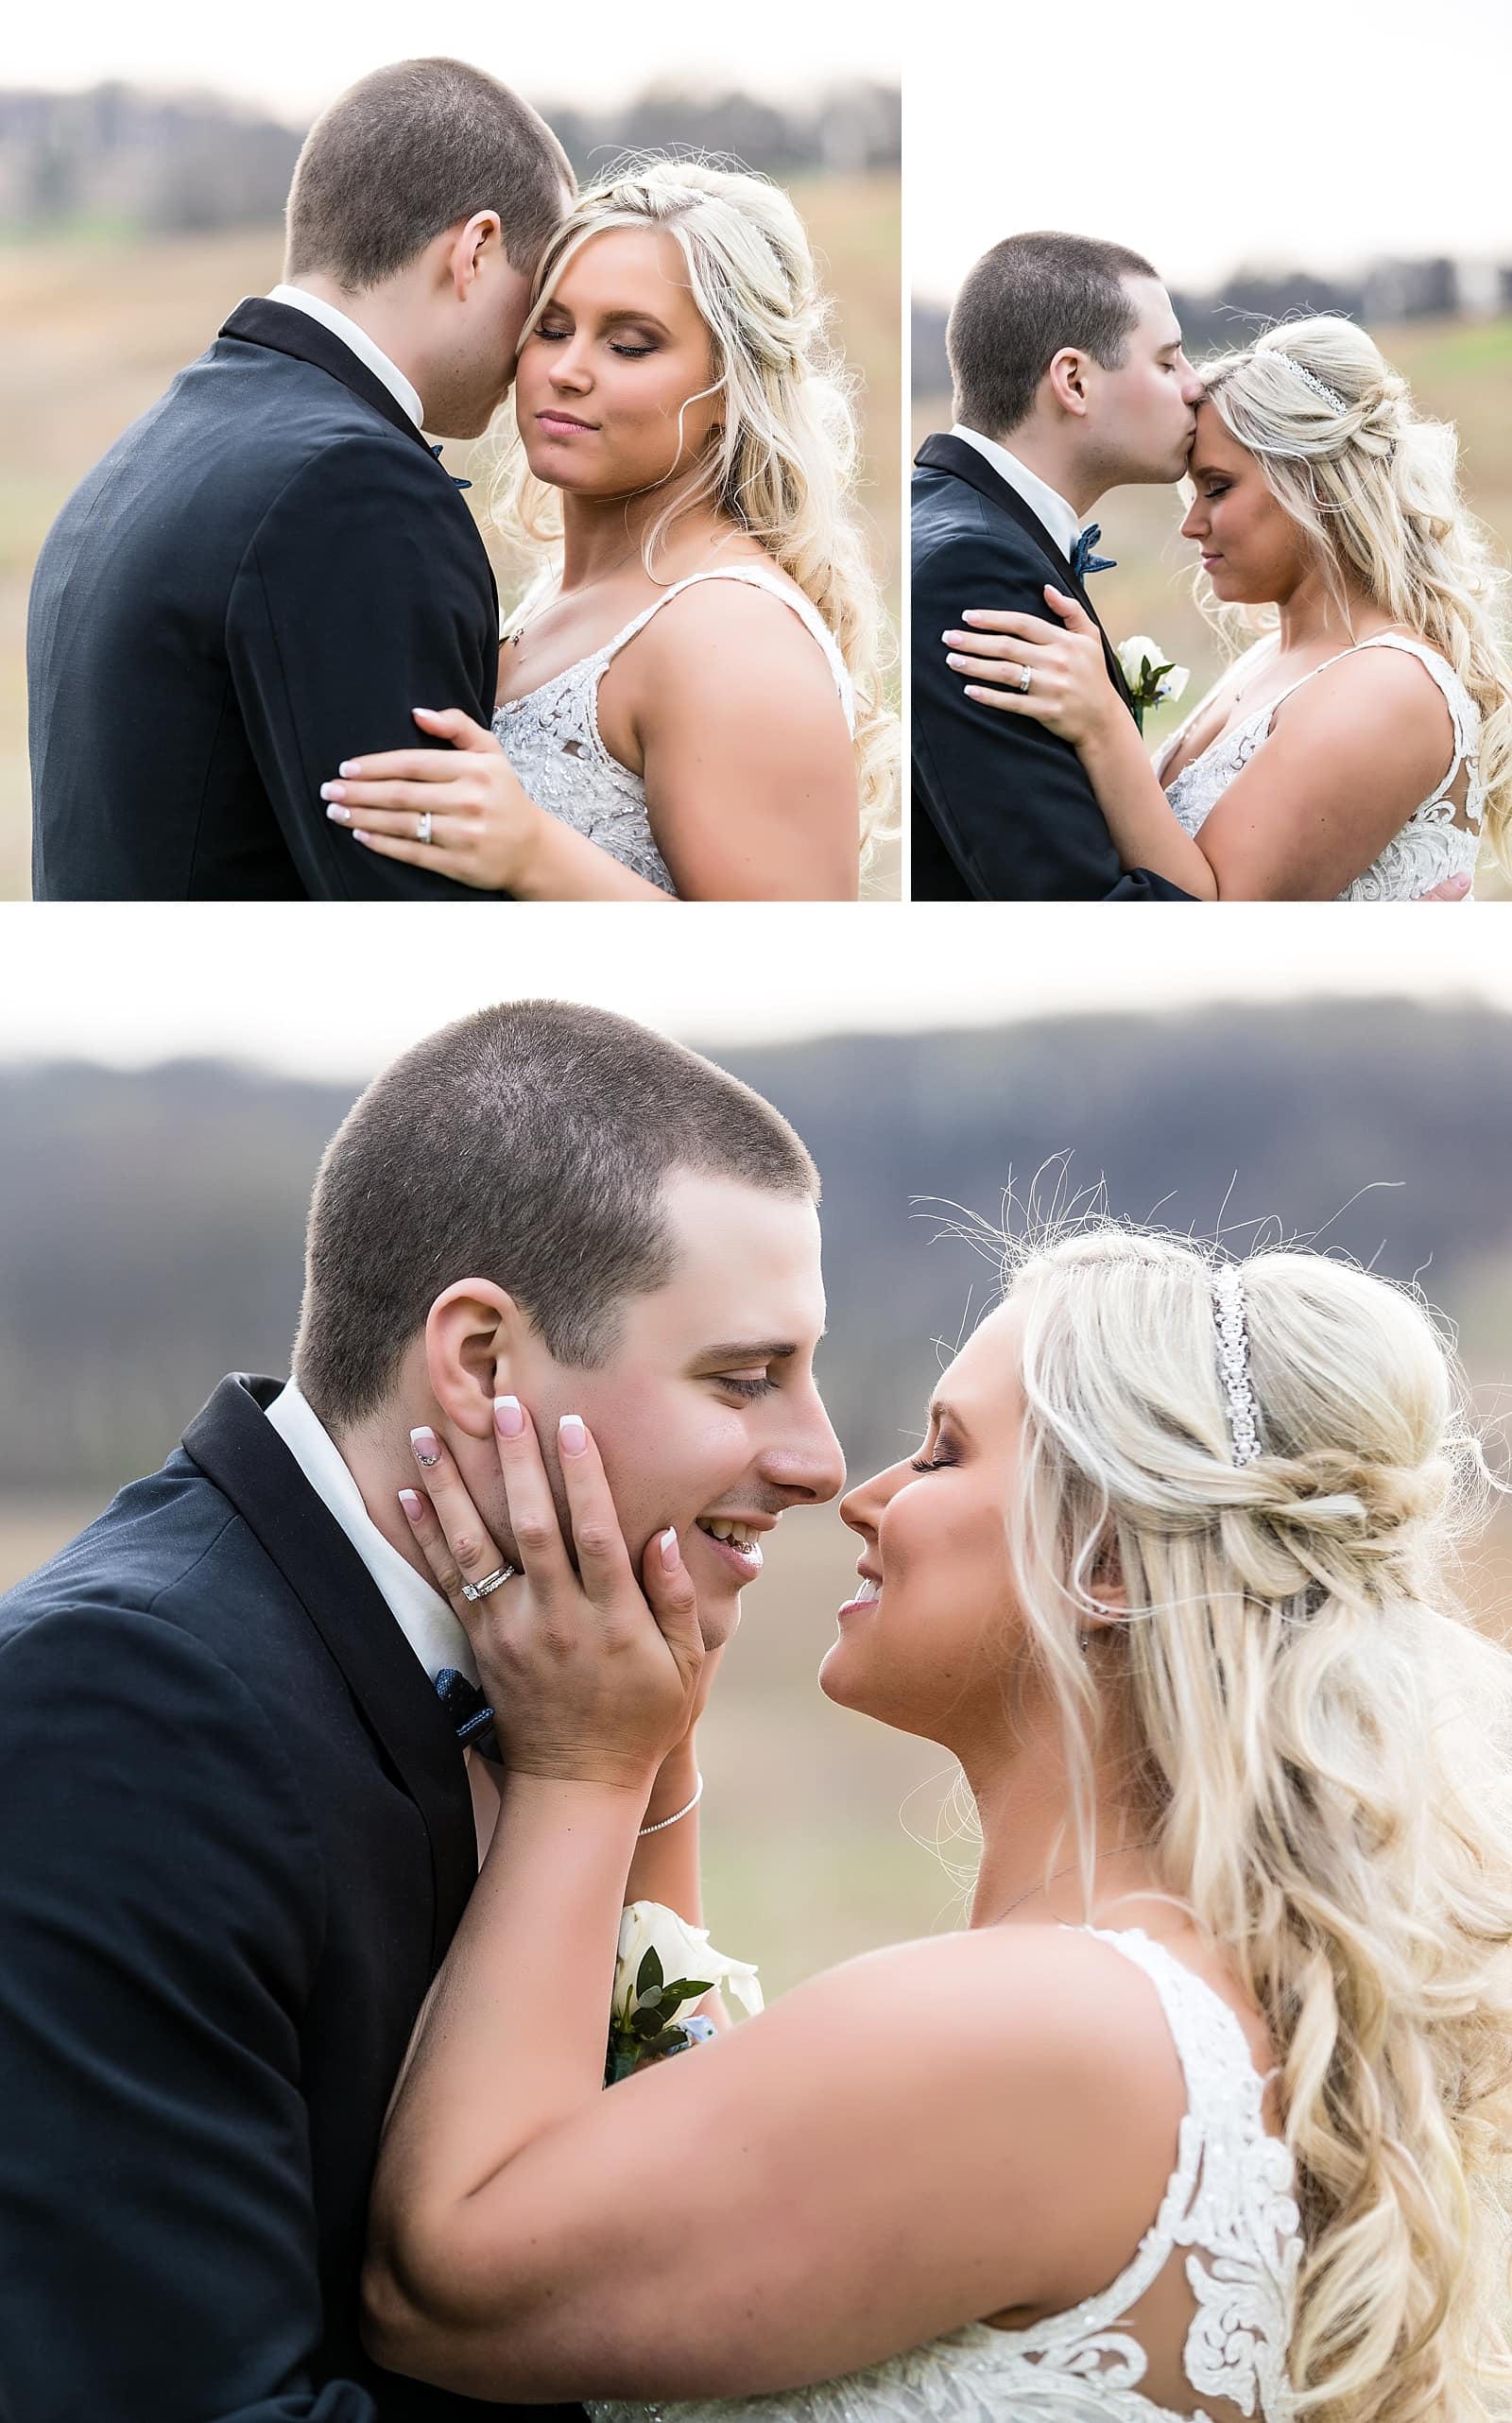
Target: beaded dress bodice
1432 844
551 736
1228 2219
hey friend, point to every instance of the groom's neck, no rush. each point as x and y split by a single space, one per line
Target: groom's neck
386 313
1056 458
377 1455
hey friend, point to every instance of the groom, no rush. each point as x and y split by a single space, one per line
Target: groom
239 1827
271 568
1070 379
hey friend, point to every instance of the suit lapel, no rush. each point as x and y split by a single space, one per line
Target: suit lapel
284 330
237 1449
952 455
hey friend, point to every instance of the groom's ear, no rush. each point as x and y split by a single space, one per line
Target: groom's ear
468 246
473 1336
1068 380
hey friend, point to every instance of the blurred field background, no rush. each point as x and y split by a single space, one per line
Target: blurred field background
106 293
1459 369
150 1236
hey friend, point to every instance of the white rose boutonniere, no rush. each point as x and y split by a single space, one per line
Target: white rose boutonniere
663 1963
1152 678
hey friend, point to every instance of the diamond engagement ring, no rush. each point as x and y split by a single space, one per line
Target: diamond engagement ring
423 830
495 1581
1027 676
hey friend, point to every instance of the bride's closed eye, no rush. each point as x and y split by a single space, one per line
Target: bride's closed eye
628 352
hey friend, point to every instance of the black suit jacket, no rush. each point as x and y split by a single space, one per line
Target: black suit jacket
1002 809
236 1839
262 577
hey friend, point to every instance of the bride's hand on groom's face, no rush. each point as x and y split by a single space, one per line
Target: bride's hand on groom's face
481 825
1055 673
594 1675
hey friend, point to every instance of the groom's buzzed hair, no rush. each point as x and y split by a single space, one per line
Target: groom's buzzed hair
410 152
1026 298
529 1144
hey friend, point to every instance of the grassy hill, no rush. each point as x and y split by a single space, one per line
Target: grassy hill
1459 371
96 330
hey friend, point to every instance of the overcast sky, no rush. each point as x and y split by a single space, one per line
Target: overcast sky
293 58
335 992
1304 131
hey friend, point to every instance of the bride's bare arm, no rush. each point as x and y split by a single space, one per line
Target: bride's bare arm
927 2135
749 769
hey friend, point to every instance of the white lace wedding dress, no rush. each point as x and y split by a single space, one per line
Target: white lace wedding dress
1439 839
551 736
1227 2223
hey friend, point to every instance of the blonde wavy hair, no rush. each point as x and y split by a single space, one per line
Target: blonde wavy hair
1323 1749
1375 488
785 465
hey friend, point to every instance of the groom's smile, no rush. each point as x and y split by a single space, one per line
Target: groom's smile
706 1413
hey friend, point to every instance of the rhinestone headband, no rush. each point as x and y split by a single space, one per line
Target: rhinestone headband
1233 1361
1329 395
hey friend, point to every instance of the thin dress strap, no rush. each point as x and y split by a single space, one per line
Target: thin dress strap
755 578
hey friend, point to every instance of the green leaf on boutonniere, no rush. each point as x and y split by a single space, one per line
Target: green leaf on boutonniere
670 2041
648 1976
687 1989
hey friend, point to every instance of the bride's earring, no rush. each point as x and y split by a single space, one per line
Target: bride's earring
1084 1641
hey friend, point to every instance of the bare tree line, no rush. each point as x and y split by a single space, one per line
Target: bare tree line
173 164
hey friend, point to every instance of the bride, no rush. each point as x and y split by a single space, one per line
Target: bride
1362 749
1208 2111
690 698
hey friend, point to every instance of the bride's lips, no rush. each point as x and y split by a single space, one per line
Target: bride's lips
867 1596
561 424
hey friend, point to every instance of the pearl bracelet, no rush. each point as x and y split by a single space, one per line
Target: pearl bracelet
663 1822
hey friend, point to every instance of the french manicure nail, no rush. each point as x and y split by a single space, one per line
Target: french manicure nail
509 1417
409 1499
350 767
973 615
671 1554
571 1435
332 790
338 816
427 1445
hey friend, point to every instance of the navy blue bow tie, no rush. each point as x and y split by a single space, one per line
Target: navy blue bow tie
469 1712
1082 559
456 483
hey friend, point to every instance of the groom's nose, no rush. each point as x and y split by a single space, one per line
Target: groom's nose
803 1458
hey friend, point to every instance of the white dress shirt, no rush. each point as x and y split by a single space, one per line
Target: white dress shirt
434 1633
1045 503
356 341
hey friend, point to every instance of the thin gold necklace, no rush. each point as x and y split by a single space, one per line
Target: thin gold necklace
1112 1852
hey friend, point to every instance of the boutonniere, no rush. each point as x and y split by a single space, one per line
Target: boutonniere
663 1964
1151 678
